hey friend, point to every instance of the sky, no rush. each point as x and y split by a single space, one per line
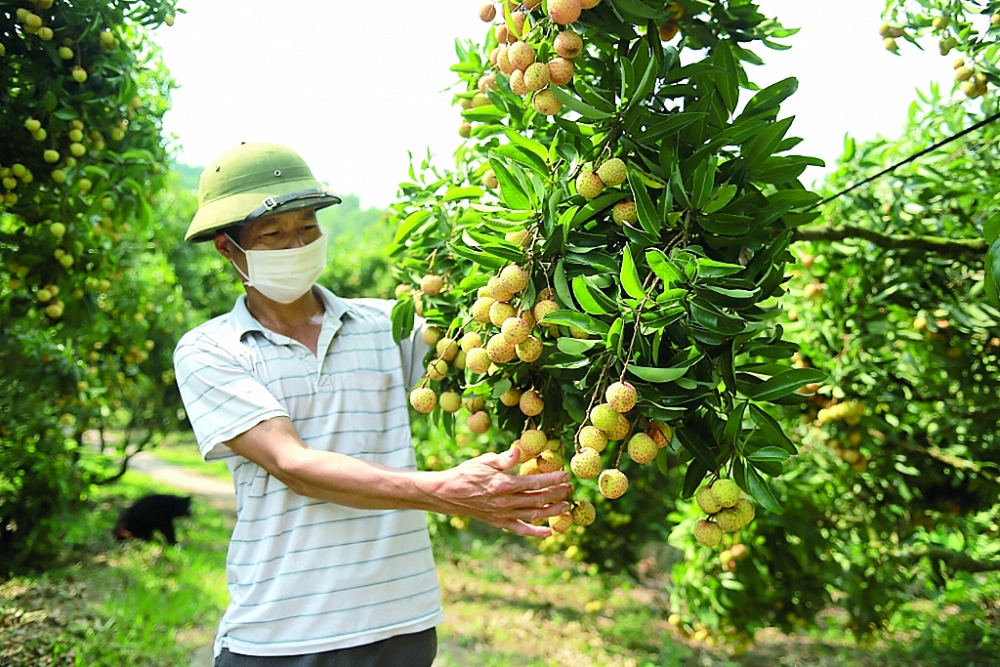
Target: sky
355 86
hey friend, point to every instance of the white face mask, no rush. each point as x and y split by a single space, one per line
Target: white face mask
284 275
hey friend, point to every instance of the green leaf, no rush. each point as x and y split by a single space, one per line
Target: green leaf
510 189
614 341
597 205
709 268
412 221
562 286
648 218
663 127
524 142
521 156
765 454
761 491
402 319
468 192
783 384
484 113
657 375
581 290
574 346
575 104
692 442
693 477
631 282
703 182
734 425
720 199
769 98
664 268
581 321
771 430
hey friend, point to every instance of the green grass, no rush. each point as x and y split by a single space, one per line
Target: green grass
182 451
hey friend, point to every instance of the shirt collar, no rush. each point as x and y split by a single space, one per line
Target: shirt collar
243 322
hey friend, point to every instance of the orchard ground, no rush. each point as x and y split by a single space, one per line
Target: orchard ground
506 604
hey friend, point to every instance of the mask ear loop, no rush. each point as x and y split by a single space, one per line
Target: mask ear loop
246 278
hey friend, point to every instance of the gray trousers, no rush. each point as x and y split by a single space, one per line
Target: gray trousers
413 650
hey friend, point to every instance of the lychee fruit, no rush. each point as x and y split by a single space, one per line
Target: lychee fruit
489 179
473 403
589 4
515 330
521 55
589 184
586 463
613 172
546 103
511 397
625 212
729 519
487 82
531 403
661 433
431 335
707 501
447 348
450 401
496 290
621 396
707 533
521 237
726 491
513 278
620 430
604 417
500 312
612 483
487 12
517 84
471 341
529 467
431 284
543 308
746 510
550 461
593 437
584 513
423 399
478 422
481 309
533 442
641 448
437 369
561 523
560 71
568 44
503 60
403 289
529 349
477 360
498 349
536 76
565 12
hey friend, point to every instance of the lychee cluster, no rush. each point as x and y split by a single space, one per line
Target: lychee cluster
850 412
974 84
728 511
611 173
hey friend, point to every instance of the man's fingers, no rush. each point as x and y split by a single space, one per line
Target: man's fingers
526 529
540 481
541 497
503 461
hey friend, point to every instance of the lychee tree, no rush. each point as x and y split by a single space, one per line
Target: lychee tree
609 250
88 303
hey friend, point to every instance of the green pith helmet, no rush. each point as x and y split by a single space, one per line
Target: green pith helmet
253 181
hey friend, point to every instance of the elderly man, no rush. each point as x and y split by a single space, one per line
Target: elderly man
304 395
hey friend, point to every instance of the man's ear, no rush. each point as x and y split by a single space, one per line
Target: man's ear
224 245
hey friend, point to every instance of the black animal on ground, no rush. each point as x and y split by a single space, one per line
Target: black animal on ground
151 513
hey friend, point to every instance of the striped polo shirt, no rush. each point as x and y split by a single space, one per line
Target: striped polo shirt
305 575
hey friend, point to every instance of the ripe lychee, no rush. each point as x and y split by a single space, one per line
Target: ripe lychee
503 60
746 510
517 85
621 396
460 360
423 399
584 513
604 417
565 12
529 349
729 519
593 437
533 441
478 422
437 369
431 335
586 463
561 523
568 44
481 309
480 100
641 448
589 184
625 212
473 403
612 483
620 430
521 237
707 501
499 349
496 290
521 55
560 71
531 403
589 4
515 330
489 179
403 289
487 82
447 348
450 401
546 103
550 461
487 12
726 491
707 533
536 76
431 284
511 397
513 278
613 172
500 312
529 467
477 360
471 341
543 308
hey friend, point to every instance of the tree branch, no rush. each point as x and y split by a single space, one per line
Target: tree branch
956 560
935 245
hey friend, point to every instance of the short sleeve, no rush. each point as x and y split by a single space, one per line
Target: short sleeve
412 349
222 396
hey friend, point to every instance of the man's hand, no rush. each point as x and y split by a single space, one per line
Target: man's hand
482 489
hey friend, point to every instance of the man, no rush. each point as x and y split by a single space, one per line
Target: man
304 395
